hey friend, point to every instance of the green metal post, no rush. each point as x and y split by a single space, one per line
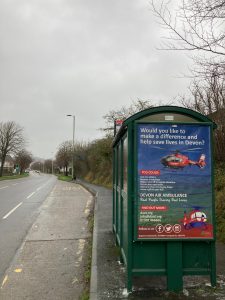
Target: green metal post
116 200
212 244
121 200
174 266
114 183
213 264
130 206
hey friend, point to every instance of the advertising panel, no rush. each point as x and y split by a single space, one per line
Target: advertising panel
174 192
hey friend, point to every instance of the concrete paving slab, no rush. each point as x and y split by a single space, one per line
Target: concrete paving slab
46 270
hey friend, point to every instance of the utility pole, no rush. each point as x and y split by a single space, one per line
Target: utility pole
73 150
52 163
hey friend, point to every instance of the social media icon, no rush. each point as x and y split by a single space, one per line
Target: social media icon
177 228
159 228
168 228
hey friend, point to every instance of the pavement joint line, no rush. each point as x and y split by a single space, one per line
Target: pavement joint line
12 210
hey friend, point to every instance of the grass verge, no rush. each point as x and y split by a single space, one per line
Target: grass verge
9 177
88 257
64 178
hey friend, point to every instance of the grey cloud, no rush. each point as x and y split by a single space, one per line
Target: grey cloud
80 57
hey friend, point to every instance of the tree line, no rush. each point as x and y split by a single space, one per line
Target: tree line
93 160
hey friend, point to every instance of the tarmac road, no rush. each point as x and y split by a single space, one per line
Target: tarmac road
20 200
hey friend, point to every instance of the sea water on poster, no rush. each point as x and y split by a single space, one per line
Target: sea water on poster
174 196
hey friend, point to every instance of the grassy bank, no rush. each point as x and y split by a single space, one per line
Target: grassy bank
100 179
220 200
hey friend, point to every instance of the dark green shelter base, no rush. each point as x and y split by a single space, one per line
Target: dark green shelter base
173 259
195 287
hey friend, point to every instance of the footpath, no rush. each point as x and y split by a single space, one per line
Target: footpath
108 275
50 263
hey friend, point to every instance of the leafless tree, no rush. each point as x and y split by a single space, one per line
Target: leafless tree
11 140
123 113
49 165
23 159
37 165
195 25
198 27
208 98
64 155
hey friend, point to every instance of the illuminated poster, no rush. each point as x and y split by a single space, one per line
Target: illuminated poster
174 196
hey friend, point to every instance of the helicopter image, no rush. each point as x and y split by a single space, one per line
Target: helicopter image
178 160
195 219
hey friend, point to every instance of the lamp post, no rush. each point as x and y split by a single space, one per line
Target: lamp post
73 144
52 164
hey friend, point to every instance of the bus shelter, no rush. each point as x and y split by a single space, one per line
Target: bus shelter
163 195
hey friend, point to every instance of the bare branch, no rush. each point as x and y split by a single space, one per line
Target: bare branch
198 27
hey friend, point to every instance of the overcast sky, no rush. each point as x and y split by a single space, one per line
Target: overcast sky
81 57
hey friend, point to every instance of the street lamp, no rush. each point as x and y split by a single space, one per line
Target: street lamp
52 164
73 144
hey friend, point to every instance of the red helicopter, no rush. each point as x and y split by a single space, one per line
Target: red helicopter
195 219
178 160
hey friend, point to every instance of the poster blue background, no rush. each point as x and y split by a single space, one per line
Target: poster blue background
192 180
149 156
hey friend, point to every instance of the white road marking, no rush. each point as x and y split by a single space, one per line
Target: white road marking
31 195
4 187
15 183
11 211
4 281
40 187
